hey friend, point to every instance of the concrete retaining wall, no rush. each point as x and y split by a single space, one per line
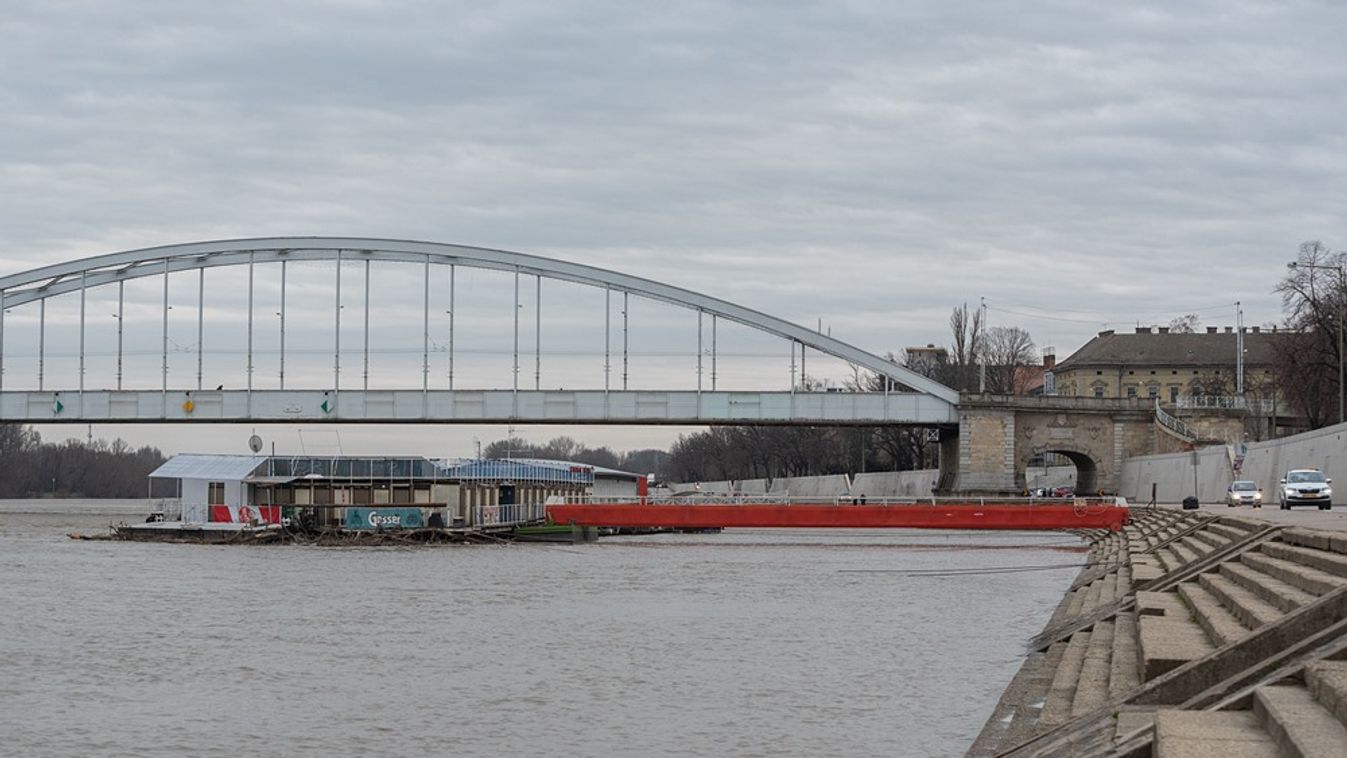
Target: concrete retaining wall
1264 463
812 486
1052 476
895 483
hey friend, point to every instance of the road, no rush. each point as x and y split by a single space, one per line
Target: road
1310 517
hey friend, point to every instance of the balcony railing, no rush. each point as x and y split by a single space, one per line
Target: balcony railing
1195 402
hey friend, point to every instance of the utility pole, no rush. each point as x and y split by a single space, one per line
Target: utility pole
1239 350
978 340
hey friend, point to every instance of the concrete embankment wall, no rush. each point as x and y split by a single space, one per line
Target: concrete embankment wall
895 483
1264 463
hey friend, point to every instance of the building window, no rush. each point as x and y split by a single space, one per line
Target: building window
1099 390
1173 394
1152 391
1131 390
1099 373
215 493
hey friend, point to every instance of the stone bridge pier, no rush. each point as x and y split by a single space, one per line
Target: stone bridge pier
998 435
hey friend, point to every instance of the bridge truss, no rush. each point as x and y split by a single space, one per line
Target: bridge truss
908 397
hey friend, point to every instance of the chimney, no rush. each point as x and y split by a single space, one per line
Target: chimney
1164 330
1049 360
1106 333
1256 329
1229 329
1211 330
1143 330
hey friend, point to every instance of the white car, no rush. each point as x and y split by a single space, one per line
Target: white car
1244 493
1305 486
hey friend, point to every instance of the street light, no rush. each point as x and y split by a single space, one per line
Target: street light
1342 291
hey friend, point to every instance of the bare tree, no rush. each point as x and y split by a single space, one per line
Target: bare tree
1009 353
1185 324
965 347
1307 362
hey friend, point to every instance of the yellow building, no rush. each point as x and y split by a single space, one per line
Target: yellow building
1180 369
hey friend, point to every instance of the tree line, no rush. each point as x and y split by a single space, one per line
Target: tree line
31 468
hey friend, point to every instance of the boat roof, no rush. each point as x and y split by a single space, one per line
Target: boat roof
199 466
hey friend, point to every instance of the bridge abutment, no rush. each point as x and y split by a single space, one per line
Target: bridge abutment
999 435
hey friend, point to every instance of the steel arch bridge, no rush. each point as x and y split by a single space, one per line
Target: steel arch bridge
908 398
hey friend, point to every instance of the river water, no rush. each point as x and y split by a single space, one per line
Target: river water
742 643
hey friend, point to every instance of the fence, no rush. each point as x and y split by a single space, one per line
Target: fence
508 514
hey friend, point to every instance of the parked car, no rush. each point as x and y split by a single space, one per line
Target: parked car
1244 493
1305 486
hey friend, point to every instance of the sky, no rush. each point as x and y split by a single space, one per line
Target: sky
863 166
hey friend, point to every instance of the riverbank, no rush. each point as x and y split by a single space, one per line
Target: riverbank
1211 630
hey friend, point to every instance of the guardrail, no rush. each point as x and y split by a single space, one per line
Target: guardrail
1174 425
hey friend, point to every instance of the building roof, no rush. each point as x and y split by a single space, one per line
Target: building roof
196 466
518 470
1156 349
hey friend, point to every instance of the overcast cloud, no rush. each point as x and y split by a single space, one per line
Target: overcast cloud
870 164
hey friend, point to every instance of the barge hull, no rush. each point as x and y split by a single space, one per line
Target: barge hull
1000 516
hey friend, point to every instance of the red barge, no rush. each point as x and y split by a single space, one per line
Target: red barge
1093 513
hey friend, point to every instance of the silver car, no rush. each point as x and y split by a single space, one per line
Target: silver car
1305 487
1244 493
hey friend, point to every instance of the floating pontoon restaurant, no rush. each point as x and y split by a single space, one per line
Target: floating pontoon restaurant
372 492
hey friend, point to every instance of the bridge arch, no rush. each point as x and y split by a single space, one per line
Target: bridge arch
915 398
72 276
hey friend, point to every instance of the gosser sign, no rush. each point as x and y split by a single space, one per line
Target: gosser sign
383 518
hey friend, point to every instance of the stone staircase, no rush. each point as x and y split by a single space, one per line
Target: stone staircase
1115 638
1306 716
1223 605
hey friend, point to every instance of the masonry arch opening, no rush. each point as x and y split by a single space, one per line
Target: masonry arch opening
1086 470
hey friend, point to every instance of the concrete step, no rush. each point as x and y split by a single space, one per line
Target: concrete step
1183 553
1092 684
1229 531
1212 540
1124 582
1124 666
1327 681
1213 734
1270 588
1091 599
1075 604
1303 577
1221 626
1324 560
1318 539
1198 546
1144 568
1167 635
1251 610
1057 706
1129 722
1299 725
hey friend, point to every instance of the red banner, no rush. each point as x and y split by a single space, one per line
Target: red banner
245 514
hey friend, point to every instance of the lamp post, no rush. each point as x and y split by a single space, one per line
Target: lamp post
1342 292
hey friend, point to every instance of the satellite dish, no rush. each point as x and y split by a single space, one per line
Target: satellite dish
255 444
